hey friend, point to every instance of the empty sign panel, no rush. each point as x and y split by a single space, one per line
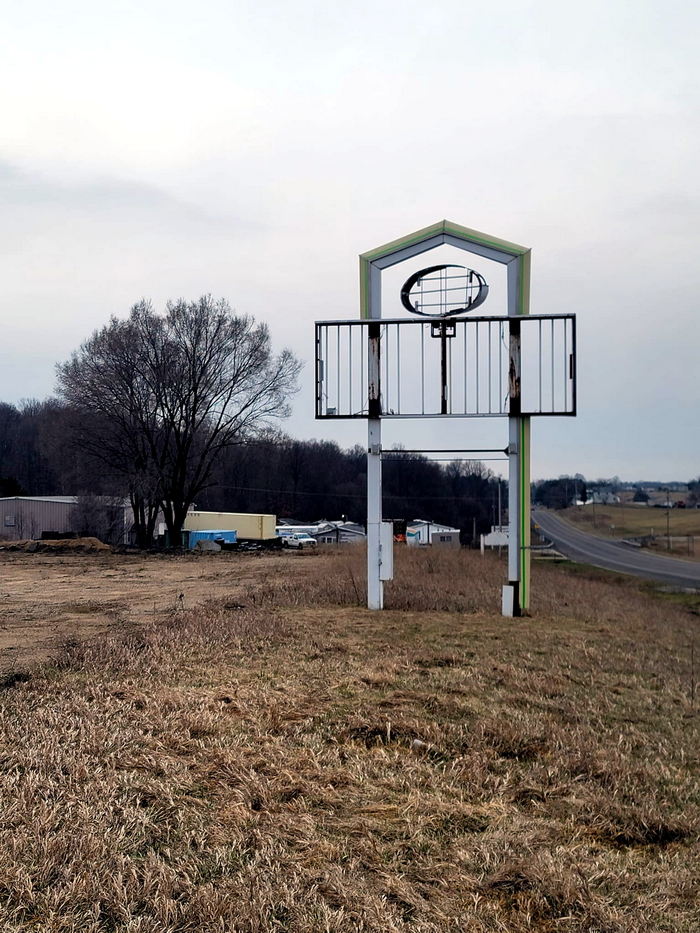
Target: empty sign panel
461 367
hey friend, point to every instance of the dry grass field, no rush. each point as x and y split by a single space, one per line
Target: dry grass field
266 755
632 521
48 599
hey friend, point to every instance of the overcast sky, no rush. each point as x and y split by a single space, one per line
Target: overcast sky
253 149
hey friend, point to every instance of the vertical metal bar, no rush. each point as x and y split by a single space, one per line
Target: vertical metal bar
422 368
386 405
375 593
573 366
375 586
540 364
351 374
449 372
319 370
374 363
489 327
443 368
500 375
516 595
398 370
337 348
477 367
514 461
551 327
566 364
464 327
327 358
363 358
514 372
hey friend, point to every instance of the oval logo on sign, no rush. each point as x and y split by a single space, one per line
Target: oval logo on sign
443 291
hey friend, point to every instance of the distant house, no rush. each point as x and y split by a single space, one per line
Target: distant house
420 532
340 533
603 496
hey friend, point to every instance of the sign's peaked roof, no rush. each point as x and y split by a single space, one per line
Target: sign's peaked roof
445 228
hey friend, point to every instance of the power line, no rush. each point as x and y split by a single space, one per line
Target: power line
348 495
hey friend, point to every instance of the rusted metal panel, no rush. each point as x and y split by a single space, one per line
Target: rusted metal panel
374 403
514 368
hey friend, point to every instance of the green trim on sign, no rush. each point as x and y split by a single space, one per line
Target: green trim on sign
524 283
409 240
485 239
445 227
364 288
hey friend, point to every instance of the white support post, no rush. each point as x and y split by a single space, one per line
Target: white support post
375 587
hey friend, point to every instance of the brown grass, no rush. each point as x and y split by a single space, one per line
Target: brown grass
302 764
443 581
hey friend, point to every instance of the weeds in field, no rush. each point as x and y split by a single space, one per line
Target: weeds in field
446 583
303 765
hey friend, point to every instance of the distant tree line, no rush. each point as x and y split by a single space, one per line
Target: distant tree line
308 480
560 493
40 454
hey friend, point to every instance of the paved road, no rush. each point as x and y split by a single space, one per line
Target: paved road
612 555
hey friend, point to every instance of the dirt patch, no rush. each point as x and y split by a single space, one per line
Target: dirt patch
59 545
73 589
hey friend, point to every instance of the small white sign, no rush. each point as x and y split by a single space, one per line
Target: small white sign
386 543
508 600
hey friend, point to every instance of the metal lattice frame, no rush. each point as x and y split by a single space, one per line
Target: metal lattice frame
474 381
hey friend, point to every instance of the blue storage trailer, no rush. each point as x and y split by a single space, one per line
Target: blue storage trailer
227 537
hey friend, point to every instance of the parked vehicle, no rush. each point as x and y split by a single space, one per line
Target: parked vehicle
298 540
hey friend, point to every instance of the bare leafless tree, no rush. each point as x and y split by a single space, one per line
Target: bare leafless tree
99 517
159 397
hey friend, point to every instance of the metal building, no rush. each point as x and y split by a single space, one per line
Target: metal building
23 517
31 516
